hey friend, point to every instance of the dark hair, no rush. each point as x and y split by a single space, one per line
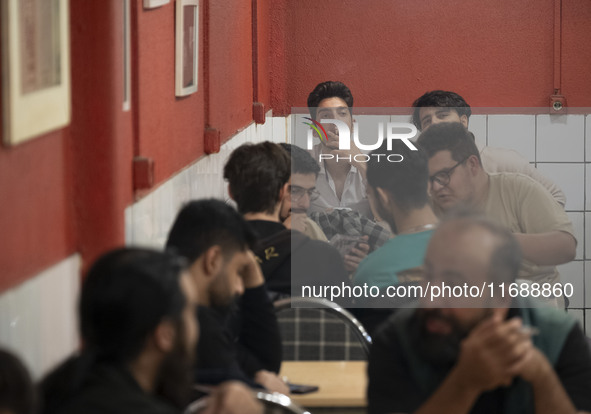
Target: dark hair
126 294
301 160
16 387
439 99
406 181
450 136
505 260
202 224
329 89
256 174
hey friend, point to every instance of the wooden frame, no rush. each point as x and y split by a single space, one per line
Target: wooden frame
186 46
35 68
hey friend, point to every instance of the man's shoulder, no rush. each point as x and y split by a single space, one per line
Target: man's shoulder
513 180
496 159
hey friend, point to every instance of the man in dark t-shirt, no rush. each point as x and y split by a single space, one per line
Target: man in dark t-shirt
478 354
258 177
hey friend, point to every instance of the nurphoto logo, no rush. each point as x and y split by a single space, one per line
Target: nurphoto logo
402 131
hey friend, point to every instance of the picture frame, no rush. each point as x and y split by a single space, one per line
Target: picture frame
35 67
186 47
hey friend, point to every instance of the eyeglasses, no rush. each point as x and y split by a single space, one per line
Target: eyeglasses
444 177
298 192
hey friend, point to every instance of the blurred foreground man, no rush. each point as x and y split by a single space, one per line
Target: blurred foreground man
504 356
138 329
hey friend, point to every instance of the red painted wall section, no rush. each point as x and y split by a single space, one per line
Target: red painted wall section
101 147
494 53
36 223
264 51
230 63
576 52
170 129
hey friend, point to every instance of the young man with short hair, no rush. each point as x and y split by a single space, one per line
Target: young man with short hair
240 335
258 180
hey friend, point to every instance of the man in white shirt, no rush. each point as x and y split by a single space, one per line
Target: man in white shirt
340 183
443 106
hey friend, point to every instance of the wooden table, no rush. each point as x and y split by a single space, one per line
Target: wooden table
341 383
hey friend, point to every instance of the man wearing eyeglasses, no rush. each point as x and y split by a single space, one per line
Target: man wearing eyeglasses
302 192
521 204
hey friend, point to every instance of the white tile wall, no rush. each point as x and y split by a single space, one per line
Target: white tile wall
555 142
516 132
38 318
578 218
560 138
573 273
588 137
477 126
570 178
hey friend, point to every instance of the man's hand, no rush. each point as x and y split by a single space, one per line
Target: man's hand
494 353
356 255
271 382
232 397
296 221
252 276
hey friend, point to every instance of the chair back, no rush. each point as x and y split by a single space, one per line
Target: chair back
316 329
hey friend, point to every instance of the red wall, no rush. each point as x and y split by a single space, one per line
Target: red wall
494 53
67 191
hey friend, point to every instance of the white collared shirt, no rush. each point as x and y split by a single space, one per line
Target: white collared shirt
354 193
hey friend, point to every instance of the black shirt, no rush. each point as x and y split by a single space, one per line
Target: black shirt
288 254
236 345
107 389
391 386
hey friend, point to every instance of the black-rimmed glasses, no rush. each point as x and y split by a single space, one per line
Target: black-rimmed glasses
444 177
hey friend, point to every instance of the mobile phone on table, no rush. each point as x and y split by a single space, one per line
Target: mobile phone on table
301 388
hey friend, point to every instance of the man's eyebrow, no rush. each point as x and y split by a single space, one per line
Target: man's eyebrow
330 108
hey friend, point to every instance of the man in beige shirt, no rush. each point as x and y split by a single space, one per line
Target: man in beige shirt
521 204
442 106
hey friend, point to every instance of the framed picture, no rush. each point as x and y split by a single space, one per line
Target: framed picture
36 68
186 46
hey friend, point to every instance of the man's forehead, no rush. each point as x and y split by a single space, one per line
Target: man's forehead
303 180
429 110
334 102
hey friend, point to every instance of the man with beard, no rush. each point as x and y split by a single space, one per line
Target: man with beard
138 329
504 356
239 332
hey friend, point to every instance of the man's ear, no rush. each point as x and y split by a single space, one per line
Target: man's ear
165 336
284 191
383 196
464 120
213 260
473 164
